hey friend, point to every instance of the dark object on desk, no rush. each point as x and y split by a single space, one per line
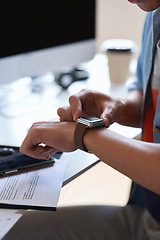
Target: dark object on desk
12 161
6 151
66 78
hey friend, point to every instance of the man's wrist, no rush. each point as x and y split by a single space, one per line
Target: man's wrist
79 135
82 125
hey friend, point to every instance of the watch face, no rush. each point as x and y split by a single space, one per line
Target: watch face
91 121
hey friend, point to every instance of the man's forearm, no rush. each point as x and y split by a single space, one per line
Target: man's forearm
135 159
132 109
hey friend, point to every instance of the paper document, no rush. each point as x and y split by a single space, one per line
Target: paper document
7 219
34 189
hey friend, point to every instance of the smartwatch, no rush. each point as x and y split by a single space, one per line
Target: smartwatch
83 124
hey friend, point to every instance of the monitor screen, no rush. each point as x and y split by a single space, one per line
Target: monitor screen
45 36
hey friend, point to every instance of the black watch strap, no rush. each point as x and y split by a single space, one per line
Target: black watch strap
78 136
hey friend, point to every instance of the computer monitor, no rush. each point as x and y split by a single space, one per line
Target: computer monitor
45 37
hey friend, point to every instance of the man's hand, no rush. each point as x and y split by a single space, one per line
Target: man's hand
92 103
47 138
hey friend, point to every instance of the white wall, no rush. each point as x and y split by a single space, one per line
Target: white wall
119 19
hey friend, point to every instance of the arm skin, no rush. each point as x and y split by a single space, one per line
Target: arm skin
138 160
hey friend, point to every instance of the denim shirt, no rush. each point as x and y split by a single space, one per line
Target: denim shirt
151 35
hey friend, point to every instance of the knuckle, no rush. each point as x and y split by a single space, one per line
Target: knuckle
59 110
72 98
36 125
84 90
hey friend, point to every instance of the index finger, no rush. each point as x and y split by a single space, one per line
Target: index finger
76 102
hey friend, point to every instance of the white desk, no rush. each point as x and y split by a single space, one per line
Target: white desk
16 118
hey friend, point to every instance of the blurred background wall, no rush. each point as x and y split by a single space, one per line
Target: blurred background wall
119 19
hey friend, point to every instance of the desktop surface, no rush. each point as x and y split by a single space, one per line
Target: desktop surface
16 117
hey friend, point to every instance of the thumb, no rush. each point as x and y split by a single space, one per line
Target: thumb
108 118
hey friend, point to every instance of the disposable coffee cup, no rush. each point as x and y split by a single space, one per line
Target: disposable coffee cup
119 53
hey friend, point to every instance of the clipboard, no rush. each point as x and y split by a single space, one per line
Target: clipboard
39 189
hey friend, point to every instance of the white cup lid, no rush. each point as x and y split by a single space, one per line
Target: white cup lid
119 45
